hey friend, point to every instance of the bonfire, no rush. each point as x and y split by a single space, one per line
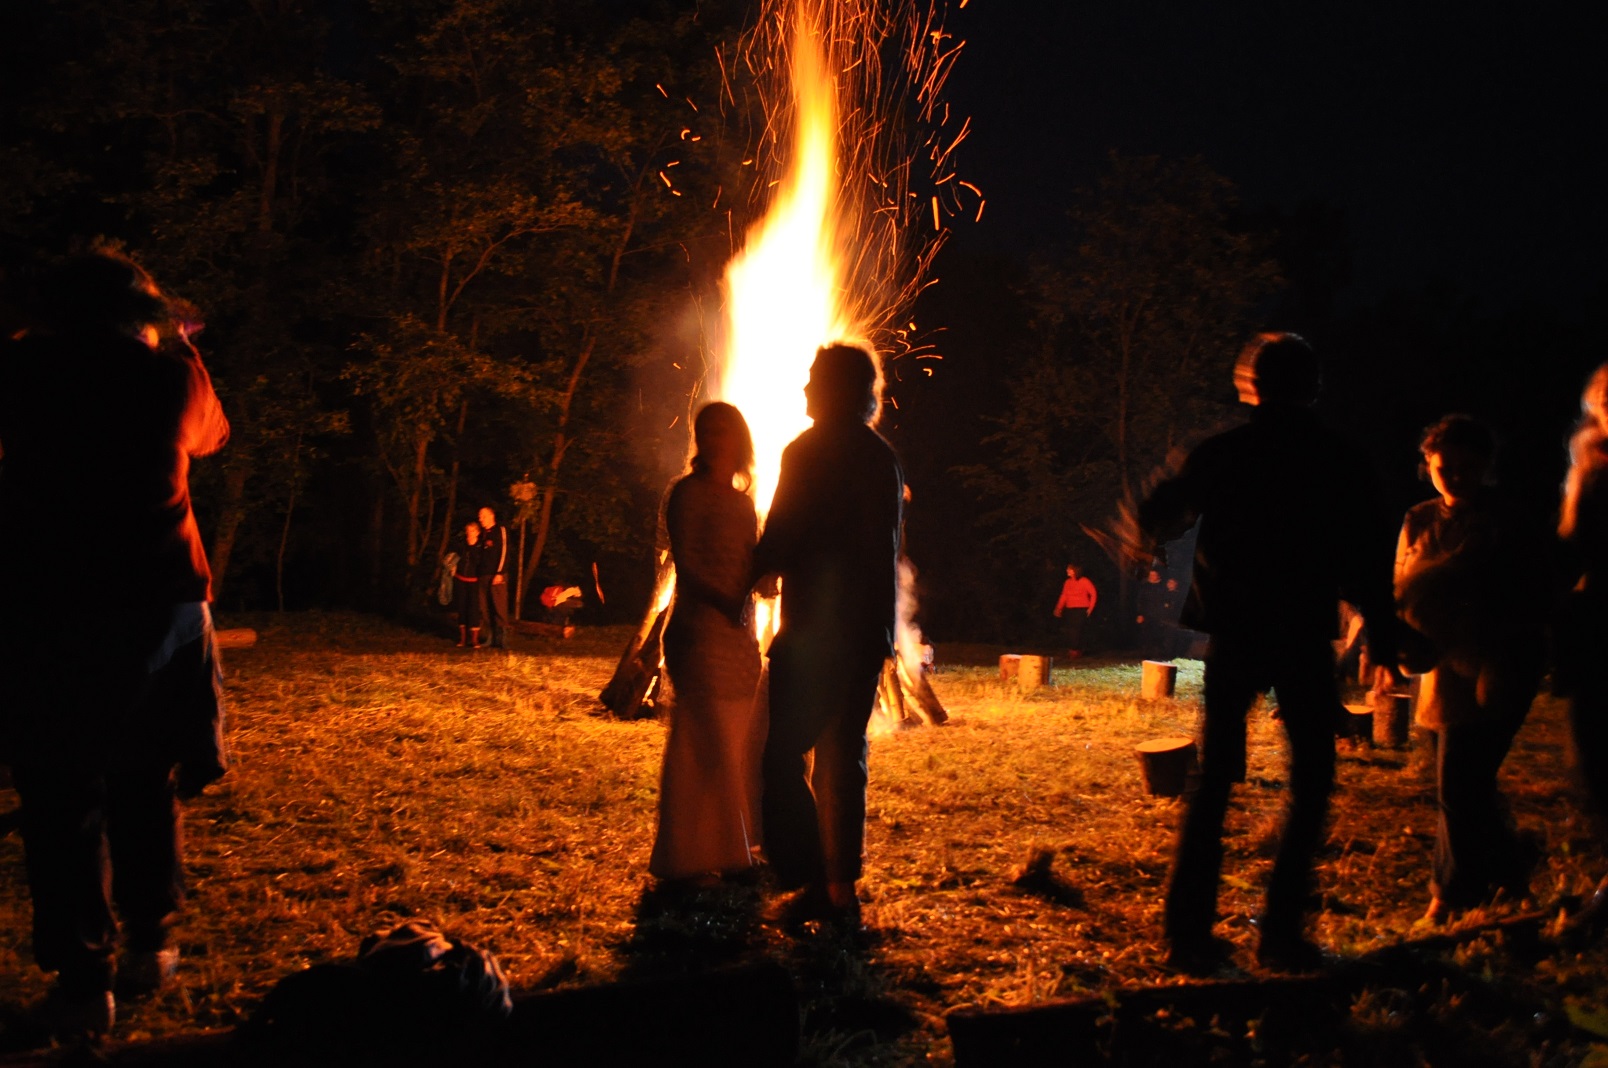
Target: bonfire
839 254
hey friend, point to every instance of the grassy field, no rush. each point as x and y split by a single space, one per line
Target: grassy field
381 773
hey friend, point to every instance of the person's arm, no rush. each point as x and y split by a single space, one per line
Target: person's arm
1066 595
1094 595
785 526
502 556
204 428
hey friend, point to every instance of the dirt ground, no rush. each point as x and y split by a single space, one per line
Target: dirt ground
1013 855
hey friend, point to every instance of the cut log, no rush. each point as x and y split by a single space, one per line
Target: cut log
1157 679
1357 724
1034 673
535 629
1392 718
235 638
1010 666
1167 764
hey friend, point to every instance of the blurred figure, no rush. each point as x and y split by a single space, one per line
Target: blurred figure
466 587
833 537
709 789
106 399
1078 598
559 603
1469 578
1288 524
1582 635
493 576
1157 605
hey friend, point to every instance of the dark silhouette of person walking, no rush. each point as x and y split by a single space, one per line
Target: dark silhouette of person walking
833 536
106 398
1289 524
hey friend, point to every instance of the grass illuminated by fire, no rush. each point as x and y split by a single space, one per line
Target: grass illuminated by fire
381 773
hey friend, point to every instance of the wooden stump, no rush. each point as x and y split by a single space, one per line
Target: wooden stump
1034 672
1158 679
1167 764
236 638
1358 724
1010 665
1392 716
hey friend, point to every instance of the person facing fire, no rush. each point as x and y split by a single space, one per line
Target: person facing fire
1288 525
106 398
492 573
1078 598
833 537
466 594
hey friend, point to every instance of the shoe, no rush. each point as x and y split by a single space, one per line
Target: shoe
812 905
144 973
66 1015
1293 954
1200 957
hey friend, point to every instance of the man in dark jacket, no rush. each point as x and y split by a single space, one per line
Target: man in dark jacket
1289 524
106 400
493 577
833 537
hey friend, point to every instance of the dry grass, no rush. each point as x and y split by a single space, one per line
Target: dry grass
1013 855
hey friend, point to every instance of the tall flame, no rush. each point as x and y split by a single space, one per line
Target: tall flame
785 291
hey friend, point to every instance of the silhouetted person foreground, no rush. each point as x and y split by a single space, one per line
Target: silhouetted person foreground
1289 524
833 536
105 401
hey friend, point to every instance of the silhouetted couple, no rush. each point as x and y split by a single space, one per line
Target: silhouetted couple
832 536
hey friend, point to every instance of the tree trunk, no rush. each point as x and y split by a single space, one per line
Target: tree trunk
232 515
561 444
452 479
421 446
284 531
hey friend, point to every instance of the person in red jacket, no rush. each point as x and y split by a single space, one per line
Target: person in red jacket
105 399
1078 598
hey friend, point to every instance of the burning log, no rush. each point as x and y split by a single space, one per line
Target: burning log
635 685
905 696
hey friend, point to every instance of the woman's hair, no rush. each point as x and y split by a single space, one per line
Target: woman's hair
103 289
713 417
1588 448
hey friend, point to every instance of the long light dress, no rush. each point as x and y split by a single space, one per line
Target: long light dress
709 790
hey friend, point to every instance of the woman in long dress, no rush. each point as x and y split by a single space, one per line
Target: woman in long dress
1582 634
709 792
1470 578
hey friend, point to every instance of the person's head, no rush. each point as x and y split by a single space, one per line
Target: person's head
722 444
1277 370
1072 571
103 290
843 384
1594 399
488 518
1457 451
471 532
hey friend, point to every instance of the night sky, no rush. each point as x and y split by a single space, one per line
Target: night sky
1462 141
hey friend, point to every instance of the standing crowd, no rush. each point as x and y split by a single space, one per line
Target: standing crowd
767 756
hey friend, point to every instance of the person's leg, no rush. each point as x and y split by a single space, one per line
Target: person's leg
787 804
1192 894
840 775
1074 618
69 872
1307 700
144 829
499 615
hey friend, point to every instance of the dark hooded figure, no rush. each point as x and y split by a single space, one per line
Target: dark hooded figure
1289 524
833 537
106 401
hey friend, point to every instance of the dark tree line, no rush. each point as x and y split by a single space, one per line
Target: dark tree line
438 244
